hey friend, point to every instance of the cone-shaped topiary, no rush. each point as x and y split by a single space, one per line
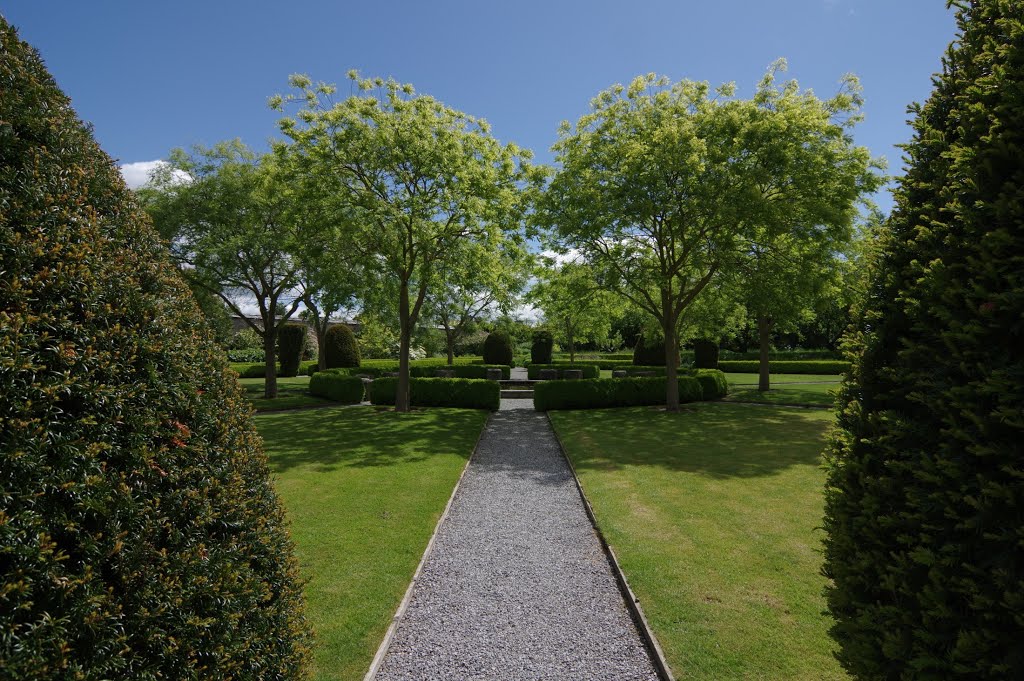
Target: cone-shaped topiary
543 344
498 348
140 537
925 495
291 340
340 347
705 354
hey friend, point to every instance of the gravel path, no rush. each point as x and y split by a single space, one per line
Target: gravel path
517 586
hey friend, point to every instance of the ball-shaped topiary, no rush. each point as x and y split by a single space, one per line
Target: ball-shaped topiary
925 492
140 532
498 348
543 344
340 347
291 340
705 354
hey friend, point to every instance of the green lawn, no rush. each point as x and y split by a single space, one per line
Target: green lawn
364 489
751 379
819 394
713 515
291 393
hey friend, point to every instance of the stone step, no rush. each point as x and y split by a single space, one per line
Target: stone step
517 394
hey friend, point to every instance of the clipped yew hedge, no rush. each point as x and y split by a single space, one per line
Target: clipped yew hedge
336 386
466 393
340 347
602 393
589 370
543 344
713 383
498 348
786 367
140 535
291 338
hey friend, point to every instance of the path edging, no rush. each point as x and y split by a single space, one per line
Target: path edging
632 602
403 606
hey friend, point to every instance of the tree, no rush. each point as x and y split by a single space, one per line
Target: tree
575 306
662 185
229 231
924 502
413 181
141 536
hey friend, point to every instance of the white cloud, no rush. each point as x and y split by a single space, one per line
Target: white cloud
137 174
561 258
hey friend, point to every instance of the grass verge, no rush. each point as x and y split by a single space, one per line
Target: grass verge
751 379
364 489
291 393
713 515
815 394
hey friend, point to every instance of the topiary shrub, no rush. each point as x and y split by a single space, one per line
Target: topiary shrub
589 370
705 354
713 383
464 393
337 387
925 495
340 347
786 367
543 344
291 339
649 352
603 393
498 348
141 537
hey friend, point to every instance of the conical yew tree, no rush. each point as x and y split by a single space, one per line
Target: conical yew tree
925 496
139 535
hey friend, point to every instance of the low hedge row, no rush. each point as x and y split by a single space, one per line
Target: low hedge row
786 367
601 393
589 370
336 386
633 369
386 364
259 369
558 363
466 393
478 371
790 355
713 383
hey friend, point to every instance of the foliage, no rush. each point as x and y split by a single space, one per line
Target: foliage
340 347
787 367
498 348
589 370
924 543
333 386
573 302
602 393
649 351
705 354
543 343
464 393
140 537
291 339
713 383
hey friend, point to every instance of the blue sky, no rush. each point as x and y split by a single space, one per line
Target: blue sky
154 76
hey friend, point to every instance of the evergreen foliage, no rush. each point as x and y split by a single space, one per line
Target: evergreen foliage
604 393
291 340
925 495
337 387
543 344
340 347
649 352
464 393
140 537
498 348
705 354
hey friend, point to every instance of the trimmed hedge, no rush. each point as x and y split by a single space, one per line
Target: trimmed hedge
713 383
465 393
589 370
602 393
340 347
705 354
543 344
336 386
649 353
141 537
602 364
789 355
632 369
291 338
783 367
478 371
259 370
498 348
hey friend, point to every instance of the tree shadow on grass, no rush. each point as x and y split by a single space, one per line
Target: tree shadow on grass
366 436
716 440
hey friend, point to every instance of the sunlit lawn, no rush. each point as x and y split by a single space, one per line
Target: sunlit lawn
291 393
713 515
751 379
364 489
814 394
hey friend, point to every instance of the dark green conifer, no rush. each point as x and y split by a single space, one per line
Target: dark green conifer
925 495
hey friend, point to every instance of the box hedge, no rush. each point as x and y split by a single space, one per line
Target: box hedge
259 369
632 369
589 370
601 393
540 350
786 367
340 347
291 338
498 348
336 386
713 383
141 537
465 393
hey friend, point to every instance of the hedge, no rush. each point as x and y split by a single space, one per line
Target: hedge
461 370
601 393
589 370
784 367
633 369
340 347
713 383
540 350
259 370
336 386
291 338
790 355
140 533
465 393
498 348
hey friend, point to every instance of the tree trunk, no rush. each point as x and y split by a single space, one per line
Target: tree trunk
321 342
270 357
572 348
405 340
764 331
449 338
668 326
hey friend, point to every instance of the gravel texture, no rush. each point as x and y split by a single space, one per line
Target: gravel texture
517 586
